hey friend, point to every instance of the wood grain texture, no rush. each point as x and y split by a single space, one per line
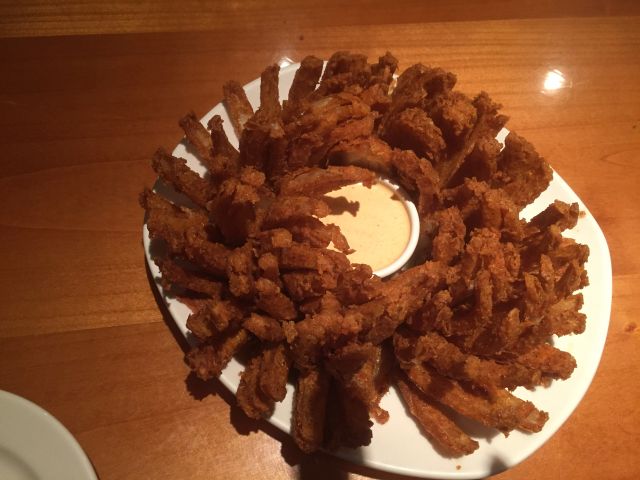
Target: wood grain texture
81 332
64 17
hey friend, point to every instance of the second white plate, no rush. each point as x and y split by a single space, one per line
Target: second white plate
34 445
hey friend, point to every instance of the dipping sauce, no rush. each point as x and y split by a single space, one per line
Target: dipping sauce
379 229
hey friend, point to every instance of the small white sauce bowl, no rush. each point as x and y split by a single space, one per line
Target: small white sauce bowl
414 232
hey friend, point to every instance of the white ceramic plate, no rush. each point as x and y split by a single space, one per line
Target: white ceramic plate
34 445
398 446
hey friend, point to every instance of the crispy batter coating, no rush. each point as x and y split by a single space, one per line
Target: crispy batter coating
198 136
240 270
357 285
269 268
175 172
305 285
549 360
448 242
418 177
435 424
323 331
363 370
504 413
237 208
266 328
366 152
184 231
453 113
309 406
560 214
286 209
271 300
344 70
522 173
467 321
446 358
269 96
238 106
175 274
249 395
413 129
312 231
356 424
208 359
304 84
400 297
220 144
487 125
326 122
318 181
263 143
416 84
214 318
275 372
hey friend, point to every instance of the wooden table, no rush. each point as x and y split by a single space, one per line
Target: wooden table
81 332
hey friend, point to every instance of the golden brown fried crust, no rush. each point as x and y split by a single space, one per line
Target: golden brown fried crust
239 206
240 270
324 123
453 112
304 84
266 328
367 152
322 332
198 136
435 424
237 104
311 231
560 214
269 268
318 181
357 285
550 361
304 285
184 231
469 320
220 144
273 301
214 318
249 395
263 143
487 125
446 358
306 78
275 372
175 172
287 209
175 274
504 413
359 369
419 178
209 359
413 129
400 297
355 430
269 96
522 173
309 408
343 69
448 242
